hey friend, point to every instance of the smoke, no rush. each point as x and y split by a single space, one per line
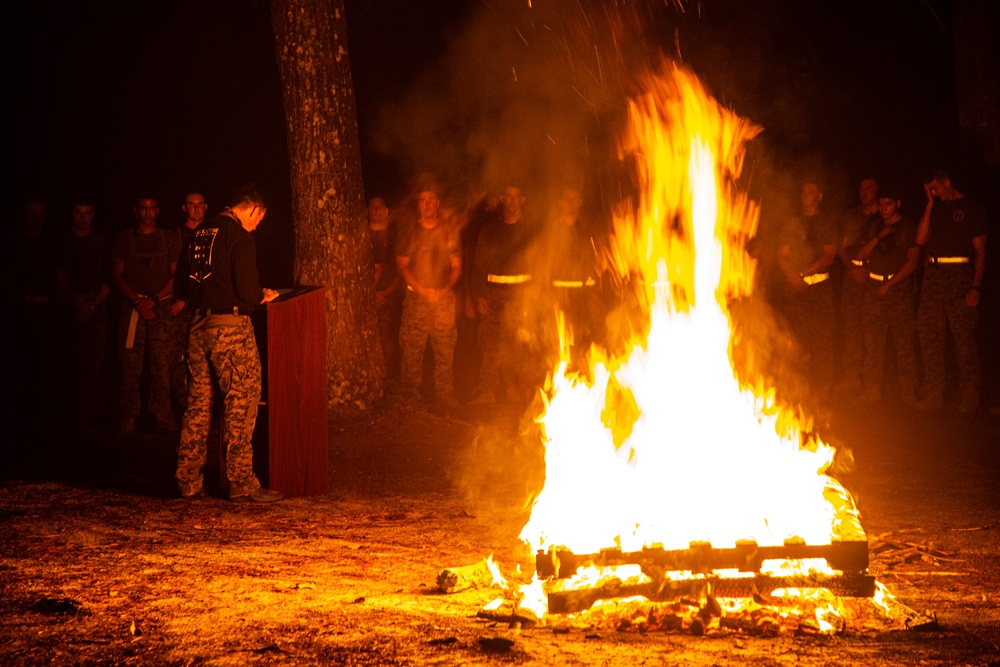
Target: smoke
527 94
533 94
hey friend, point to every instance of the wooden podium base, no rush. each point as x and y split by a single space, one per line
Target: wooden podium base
290 441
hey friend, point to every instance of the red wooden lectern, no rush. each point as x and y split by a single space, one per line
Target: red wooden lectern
290 441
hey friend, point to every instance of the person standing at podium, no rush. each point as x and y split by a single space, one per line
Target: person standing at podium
219 281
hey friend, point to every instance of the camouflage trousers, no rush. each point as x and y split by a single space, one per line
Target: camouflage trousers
178 358
509 340
423 321
389 316
891 314
222 353
812 316
942 307
152 346
852 298
86 344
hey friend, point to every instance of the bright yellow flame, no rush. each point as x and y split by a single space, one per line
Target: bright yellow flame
664 446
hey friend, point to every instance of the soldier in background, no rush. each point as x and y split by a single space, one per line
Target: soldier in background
219 281
30 357
890 255
852 292
388 292
953 231
143 260
503 290
194 208
429 260
570 280
82 273
807 249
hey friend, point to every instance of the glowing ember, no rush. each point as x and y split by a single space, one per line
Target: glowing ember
663 446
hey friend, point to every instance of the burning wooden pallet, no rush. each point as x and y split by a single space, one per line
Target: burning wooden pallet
701 565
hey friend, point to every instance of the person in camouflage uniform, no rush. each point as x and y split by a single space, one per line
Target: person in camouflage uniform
194 208
221 286
389 290
506 298
855 284
429 259
143 260
808 249
890 256
82 272
953 230
569 279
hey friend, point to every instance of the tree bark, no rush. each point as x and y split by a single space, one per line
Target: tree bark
332 246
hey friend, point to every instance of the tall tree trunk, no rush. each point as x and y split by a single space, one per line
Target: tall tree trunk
332 246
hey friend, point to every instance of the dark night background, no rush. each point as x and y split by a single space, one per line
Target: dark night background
115 97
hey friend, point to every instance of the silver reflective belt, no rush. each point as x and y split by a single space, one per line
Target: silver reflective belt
948 260
508 280
880 278
589 282
858 262
815 278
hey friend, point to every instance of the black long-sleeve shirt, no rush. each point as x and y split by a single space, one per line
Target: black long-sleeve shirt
219 269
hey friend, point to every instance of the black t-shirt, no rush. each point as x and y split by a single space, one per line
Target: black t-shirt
84 260
806 237
889 254
954 224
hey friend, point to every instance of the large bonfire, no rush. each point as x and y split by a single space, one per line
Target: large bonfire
666 446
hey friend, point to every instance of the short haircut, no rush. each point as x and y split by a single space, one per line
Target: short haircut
248 195
81 199
891 191
939 174
428 182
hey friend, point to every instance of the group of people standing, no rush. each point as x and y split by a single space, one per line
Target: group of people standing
479 287
177 299
479 284
881 254
469 301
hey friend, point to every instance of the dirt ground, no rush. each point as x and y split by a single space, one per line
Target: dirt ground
100 564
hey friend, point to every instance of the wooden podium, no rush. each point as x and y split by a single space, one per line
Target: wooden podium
290 441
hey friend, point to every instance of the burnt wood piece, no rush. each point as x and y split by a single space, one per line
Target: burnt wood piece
702 558
571 601
454 579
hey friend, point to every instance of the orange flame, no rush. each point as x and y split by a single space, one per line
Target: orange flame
663 446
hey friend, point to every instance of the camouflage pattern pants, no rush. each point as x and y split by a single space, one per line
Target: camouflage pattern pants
152 346
178 358
511 349
892 313
852 298
423 321
942 307
86 345
812 316
222 352
389 316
